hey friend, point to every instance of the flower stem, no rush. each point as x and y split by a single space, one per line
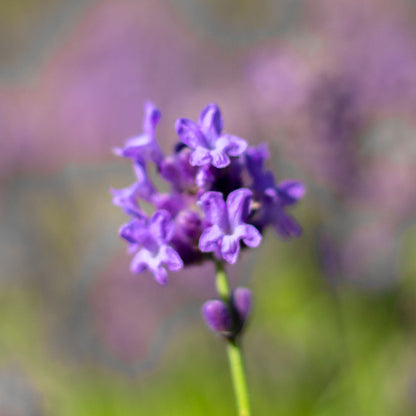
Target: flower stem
235 357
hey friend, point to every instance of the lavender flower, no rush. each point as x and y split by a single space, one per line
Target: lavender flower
228 225
210 146
144 146
208 212
152 237
210 209
127 198
274 198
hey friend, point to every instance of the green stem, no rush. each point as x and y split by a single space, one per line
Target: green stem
239 380
221 283
235 357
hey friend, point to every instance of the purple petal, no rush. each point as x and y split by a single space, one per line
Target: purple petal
142 148
210 122
161 226
238 206
255 158
134 231
170 202
233 145
134 146
213 205
241 301
189 133
189 224
126 199
286 226
145 259
160 274
200 156
145 188
249 234
210 239
290 191
132 248
271 193
151 117
177 170
219 158
140 261
230 247
170 257
217 316
205 177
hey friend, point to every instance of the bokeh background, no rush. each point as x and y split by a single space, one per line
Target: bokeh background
329 85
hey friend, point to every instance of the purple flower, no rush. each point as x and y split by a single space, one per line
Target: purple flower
152 238
272 198
144 146
228 225
210 146
177 170
274 201
255 157
179 234
127 198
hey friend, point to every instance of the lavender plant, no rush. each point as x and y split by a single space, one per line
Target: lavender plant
220 202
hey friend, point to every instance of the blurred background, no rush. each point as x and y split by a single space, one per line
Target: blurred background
330 85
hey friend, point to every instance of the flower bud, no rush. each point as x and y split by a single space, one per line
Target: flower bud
217 316
241 302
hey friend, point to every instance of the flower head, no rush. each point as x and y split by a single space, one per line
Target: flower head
211 209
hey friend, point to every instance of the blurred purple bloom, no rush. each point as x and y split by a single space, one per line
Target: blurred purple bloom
144 146
228 225
210 146
153 237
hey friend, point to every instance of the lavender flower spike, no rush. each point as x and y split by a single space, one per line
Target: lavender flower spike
144 146
228 225
153 237
209 144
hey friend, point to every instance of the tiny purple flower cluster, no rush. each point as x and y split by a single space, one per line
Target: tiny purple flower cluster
220 198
